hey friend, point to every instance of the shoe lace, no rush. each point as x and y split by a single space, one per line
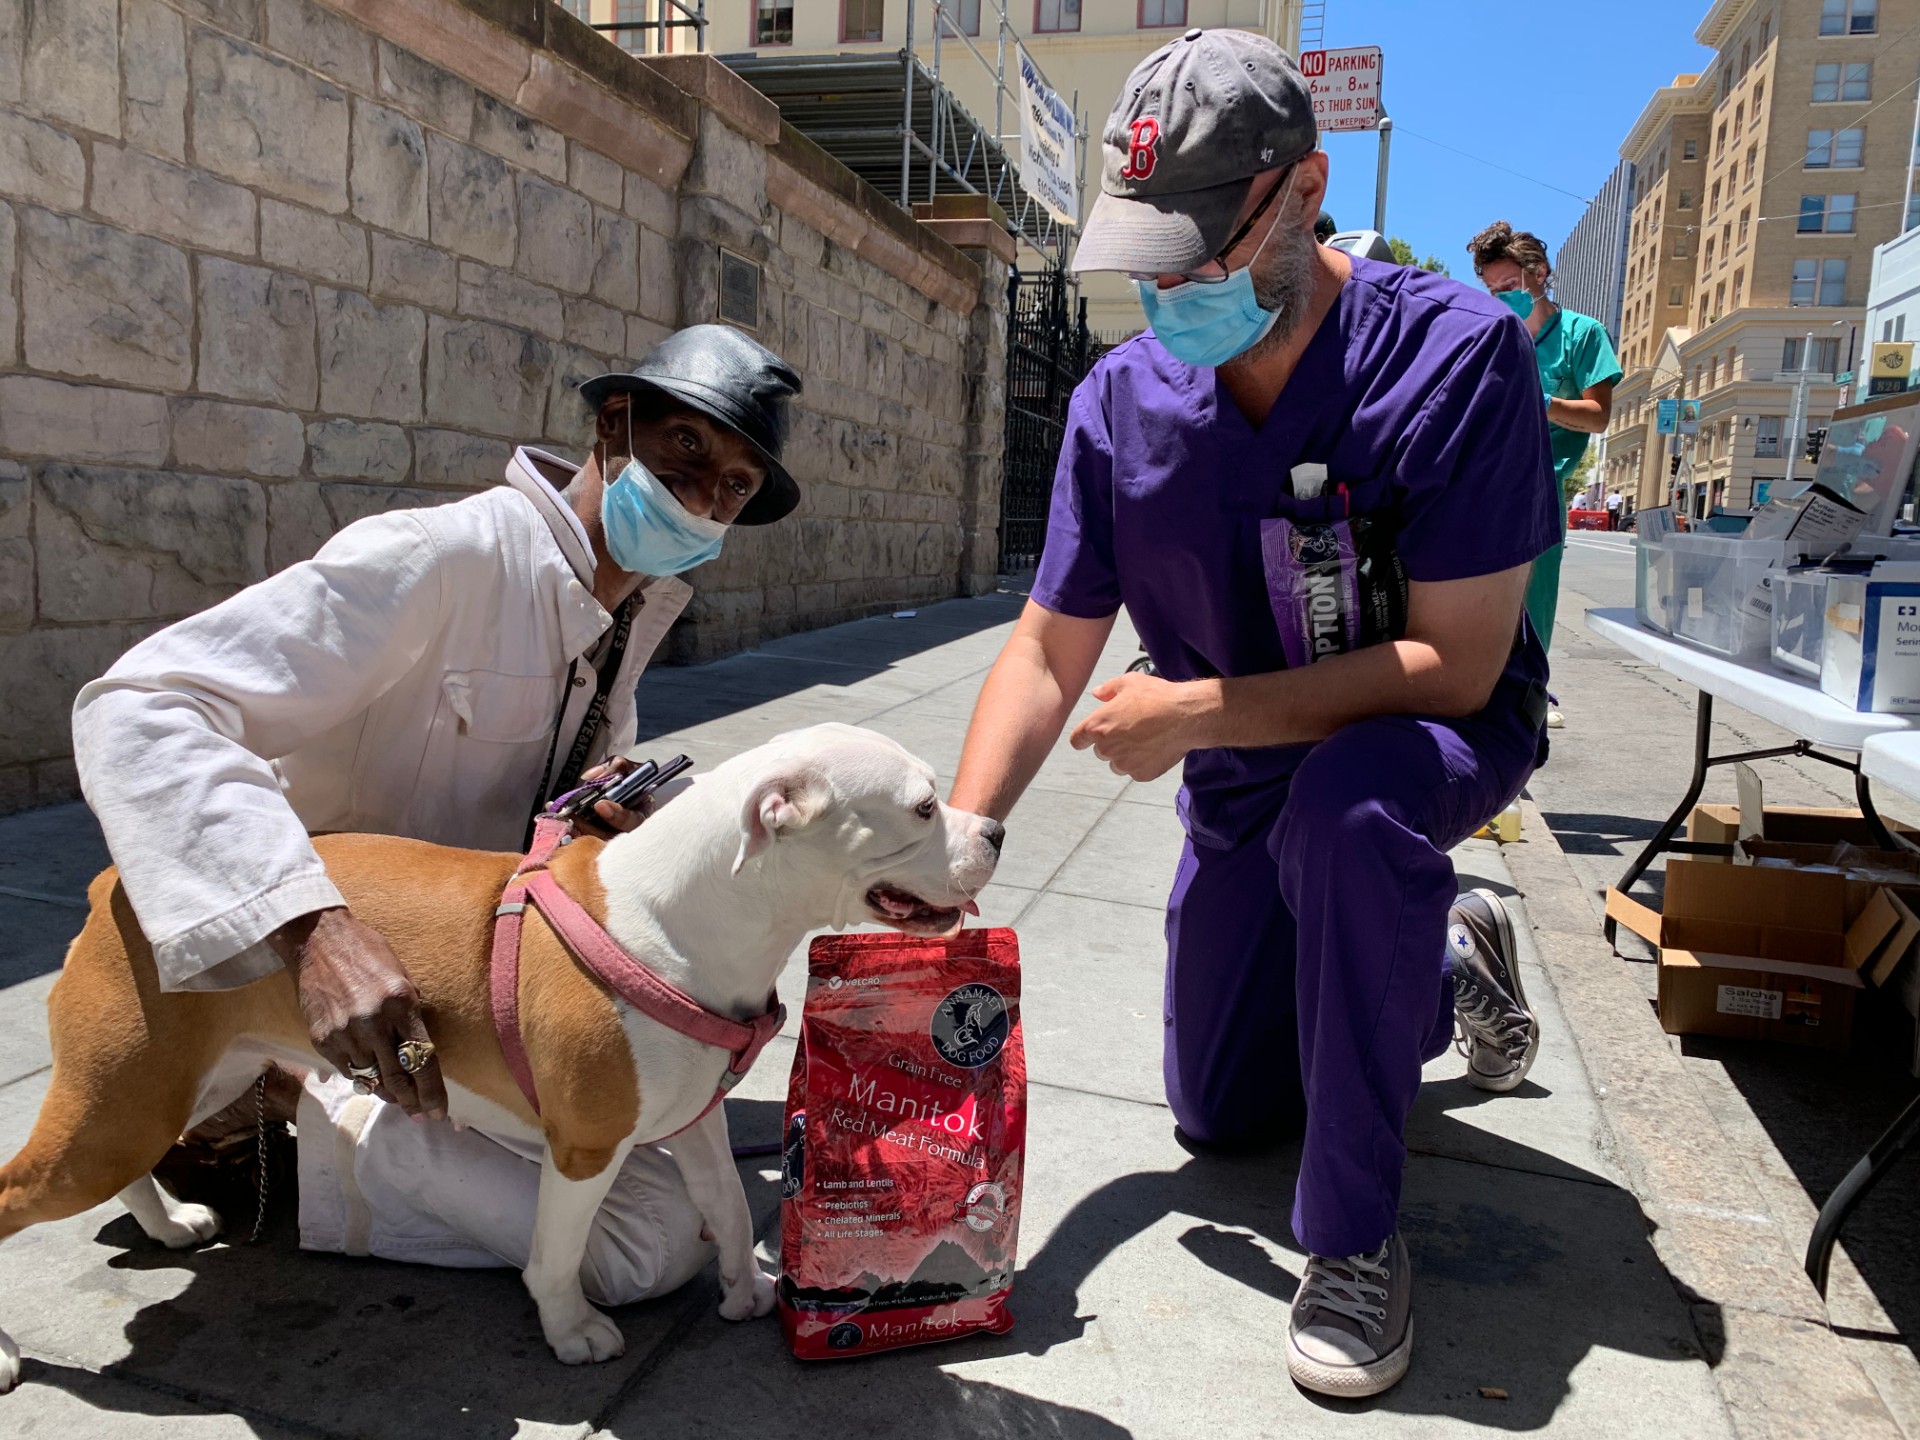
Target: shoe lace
1326 1288
1479 1021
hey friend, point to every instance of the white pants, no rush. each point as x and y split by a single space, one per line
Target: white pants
374 1182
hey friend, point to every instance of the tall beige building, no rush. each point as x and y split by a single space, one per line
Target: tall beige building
1085 47
1765 183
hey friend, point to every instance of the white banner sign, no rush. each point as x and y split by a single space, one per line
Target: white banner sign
1345 85
1047 165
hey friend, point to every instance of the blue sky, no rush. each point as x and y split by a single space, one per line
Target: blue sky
1548 90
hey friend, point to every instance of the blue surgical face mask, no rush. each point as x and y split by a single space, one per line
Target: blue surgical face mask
1517 300
649 532
1208 323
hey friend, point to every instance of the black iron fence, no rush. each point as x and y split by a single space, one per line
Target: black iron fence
1048 351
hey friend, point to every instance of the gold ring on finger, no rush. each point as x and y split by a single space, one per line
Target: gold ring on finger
414 1055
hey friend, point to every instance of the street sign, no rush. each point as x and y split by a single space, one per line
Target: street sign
1345 86
1845 377
1668 422
1891 364
1047 166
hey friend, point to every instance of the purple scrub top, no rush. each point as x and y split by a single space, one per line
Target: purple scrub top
1420 396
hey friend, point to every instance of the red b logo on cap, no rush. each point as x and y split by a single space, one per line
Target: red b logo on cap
1145 136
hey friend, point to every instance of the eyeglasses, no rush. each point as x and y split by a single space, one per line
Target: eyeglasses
1220 258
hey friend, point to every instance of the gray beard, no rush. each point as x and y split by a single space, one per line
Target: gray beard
1284 283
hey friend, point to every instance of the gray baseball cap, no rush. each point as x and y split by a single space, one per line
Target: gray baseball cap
1196 120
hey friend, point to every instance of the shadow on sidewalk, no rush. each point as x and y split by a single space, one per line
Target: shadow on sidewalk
1821 1111
1523 1266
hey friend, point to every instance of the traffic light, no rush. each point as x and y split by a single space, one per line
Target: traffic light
1815 439
1673 465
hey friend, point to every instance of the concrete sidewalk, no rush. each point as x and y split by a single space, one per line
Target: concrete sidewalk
1154 1283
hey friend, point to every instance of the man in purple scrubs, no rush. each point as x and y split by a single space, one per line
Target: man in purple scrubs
1299 424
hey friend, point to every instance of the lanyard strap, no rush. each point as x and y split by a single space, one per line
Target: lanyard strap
607 672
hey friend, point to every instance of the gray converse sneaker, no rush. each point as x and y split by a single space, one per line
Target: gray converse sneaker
1494 1029
1351 1330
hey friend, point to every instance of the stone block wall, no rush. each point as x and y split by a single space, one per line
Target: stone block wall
268 266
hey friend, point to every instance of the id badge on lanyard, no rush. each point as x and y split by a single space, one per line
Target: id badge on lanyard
1335 584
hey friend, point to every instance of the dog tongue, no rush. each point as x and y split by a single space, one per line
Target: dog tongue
971 908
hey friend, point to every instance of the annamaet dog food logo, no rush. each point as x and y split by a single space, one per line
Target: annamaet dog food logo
845 1336
970 1026
984 1207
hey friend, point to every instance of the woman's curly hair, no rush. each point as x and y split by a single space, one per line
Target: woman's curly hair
1500 241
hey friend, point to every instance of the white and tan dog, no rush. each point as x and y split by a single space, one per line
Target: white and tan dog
825 826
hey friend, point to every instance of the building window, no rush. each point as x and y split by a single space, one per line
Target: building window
1682 245
1055 16
1835 81
1759 99
1746 57
1739 283
862 21
1709 256
1713 201
1720 140
1840 210
1690 150
1753 157
1823 359
1849 17
1818 282
1157 13
1766 31
1835 149
1739 120
1766 437
1813 209
1685 202
635 42
1746 224
1676 295
773 22
965 13
1913 212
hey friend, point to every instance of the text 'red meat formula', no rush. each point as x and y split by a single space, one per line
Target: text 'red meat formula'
905 1139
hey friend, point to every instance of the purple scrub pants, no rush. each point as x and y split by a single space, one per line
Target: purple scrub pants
1307 978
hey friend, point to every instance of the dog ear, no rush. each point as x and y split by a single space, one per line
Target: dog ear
788 801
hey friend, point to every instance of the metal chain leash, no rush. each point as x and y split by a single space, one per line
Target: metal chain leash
260 1154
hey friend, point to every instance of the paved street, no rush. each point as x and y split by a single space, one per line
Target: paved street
1154 1283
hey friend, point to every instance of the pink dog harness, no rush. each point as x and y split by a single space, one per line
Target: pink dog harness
617 970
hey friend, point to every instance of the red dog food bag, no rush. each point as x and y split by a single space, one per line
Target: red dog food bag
906 1134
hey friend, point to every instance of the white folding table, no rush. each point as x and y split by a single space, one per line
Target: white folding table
1889 751
1795 705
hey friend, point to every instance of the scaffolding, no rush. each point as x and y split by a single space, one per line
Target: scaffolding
894 121
650 21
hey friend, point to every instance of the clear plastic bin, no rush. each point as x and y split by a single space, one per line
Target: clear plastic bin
1799 620
1712 591
1870 652
1650 598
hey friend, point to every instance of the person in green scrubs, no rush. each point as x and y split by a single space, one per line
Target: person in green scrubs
1578 371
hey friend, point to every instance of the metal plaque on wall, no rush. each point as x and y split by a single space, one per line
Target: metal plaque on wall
739 290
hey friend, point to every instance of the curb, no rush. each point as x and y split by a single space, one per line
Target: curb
1780 1369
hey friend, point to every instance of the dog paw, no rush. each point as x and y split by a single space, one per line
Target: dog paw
747 1298
186 1226
589 1340
9 1363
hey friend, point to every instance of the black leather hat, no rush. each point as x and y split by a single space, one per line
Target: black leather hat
730 378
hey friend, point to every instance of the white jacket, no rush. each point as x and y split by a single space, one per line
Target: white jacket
406 680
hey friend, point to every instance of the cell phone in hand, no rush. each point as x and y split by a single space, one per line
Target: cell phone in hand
644 779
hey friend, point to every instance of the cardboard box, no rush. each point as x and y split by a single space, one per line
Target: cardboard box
1796 825
1760 953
